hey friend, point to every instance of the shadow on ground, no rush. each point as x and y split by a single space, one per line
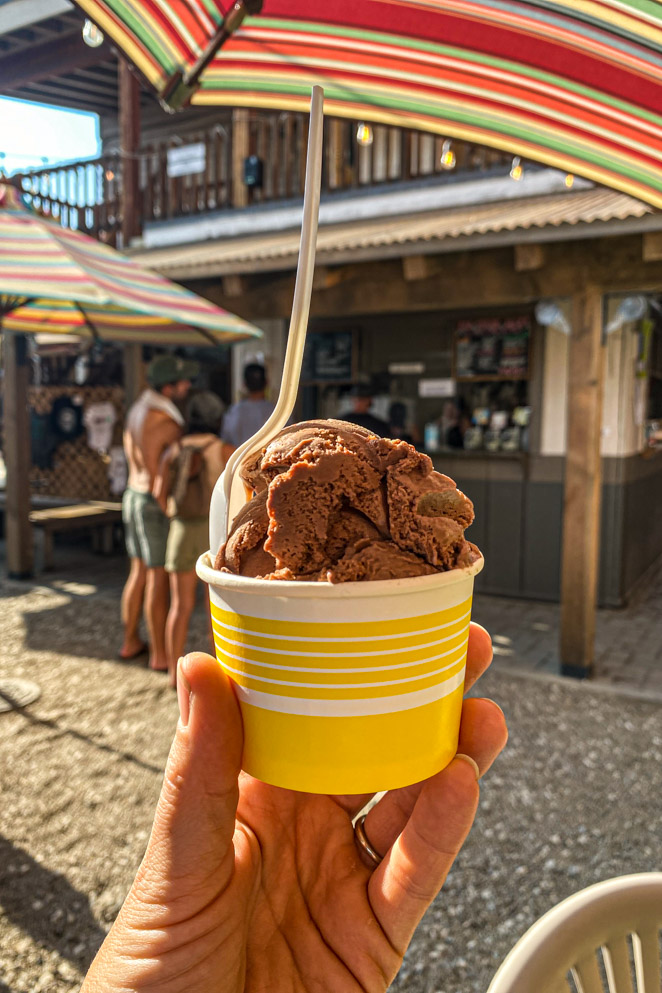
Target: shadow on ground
71 617
87 740
44 905
86 626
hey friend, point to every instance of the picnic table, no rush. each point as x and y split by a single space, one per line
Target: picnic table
96 516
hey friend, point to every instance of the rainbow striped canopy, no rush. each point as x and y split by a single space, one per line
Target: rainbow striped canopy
62 282
576 84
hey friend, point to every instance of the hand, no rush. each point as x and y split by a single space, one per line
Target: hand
249 888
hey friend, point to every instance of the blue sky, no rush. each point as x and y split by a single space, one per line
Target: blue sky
32 132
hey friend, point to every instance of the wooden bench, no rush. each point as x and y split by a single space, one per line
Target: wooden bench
97 516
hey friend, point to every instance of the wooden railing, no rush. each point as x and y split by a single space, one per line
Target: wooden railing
83 196
87 195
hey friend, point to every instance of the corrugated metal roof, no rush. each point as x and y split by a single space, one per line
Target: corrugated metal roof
431 231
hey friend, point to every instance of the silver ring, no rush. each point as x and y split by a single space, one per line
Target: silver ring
364 844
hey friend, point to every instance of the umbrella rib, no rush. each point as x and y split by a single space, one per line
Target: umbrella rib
206 334
229 25
11 303
88 323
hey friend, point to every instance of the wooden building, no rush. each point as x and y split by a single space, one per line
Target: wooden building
405 291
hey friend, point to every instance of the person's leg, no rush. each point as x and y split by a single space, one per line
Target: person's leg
153 534
134 588
156 612
183 587
133 595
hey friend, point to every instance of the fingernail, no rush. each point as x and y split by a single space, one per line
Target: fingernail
183 695
471 762
494 704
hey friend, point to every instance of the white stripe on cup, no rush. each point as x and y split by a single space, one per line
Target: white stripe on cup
340 686
350 708
461 649
335 655
367 637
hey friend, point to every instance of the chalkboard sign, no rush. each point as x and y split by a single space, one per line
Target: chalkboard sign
492 348
328 357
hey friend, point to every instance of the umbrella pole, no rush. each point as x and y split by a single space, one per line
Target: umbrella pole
17 455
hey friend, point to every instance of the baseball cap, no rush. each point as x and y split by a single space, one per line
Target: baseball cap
167 369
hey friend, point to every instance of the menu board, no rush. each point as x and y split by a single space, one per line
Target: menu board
328 356
492 347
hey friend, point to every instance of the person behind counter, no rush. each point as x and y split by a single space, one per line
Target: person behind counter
458 419
362 395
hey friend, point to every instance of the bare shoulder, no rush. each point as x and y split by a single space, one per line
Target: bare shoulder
159 431
156 418
160 424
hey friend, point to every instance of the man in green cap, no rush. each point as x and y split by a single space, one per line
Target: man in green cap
153 423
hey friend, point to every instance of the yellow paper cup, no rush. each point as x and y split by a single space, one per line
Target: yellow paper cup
347 688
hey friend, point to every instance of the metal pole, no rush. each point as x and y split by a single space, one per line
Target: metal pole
17 454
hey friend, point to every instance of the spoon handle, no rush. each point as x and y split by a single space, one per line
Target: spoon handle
227 499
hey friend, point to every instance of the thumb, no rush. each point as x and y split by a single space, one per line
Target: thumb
190 855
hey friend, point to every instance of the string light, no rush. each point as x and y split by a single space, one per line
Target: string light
516 169
448 157
569 180
364 134
92 35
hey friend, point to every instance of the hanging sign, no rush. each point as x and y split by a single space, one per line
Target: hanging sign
406 368
186 160
436 387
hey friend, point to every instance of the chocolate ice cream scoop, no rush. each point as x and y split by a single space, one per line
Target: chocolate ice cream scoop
335 503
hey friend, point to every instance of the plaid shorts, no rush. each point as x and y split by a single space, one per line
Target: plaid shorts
145 528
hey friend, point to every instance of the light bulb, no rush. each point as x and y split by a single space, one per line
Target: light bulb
516 169
569 180
364 134
92 35
448 158
110 175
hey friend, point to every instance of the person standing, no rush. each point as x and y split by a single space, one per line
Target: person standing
245 418
153 423
362 395
183 487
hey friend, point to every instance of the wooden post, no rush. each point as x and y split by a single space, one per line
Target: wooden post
583 479
241 141
16 430
133 373
129 114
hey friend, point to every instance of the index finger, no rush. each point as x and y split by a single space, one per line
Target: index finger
479 654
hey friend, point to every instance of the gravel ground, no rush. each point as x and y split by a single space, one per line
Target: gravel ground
576 797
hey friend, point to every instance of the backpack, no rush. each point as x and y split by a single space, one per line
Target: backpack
190 492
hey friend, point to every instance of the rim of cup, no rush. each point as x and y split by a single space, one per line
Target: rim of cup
371 588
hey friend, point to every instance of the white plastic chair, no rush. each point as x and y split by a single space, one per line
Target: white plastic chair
592 942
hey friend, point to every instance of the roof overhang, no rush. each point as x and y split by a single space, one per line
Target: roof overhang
569 216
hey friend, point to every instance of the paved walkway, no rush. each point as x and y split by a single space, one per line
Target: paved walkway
628 641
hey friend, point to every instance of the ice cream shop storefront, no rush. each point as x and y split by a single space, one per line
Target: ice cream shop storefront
478 341
486 395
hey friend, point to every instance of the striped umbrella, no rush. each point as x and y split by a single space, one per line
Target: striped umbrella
61 282
572 83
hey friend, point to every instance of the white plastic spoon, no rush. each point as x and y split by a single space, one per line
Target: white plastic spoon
227 499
